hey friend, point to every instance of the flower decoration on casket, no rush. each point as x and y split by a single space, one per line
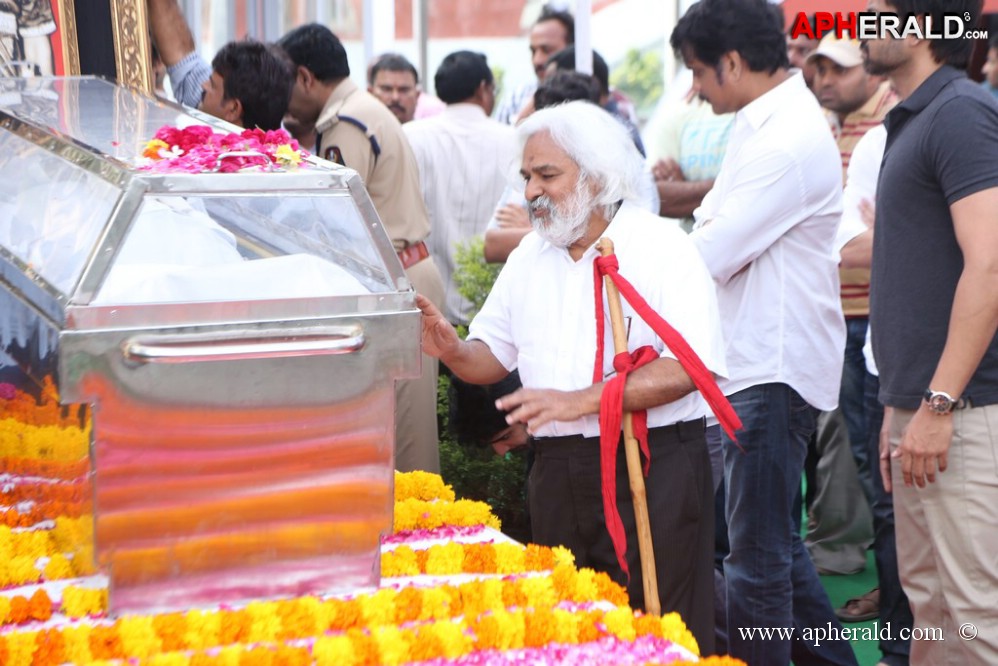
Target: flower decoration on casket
199 149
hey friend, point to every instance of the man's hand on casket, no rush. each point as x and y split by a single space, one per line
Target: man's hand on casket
471 361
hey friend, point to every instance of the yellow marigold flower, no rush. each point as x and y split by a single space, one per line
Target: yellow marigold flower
620 623
445 559
168 659
400 561
58 568
422 485
264 622
436 604
4 610
563 555
453 640
566 626
202 629
230 655
378 608
153 148
510 558
20 648
84 563
21 570
334 651
539 591
674 629
77 643
79 602
393 645
482 596
138 636
585 586
287 156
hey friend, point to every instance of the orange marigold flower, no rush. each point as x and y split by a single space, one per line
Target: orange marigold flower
105 643
20 611
50 648
171 628
40 606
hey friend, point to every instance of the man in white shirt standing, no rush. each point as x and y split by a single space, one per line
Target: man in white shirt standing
581 175
464 159
766 232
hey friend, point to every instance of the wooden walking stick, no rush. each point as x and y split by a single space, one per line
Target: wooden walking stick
636 478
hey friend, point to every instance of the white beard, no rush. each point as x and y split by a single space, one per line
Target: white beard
566 223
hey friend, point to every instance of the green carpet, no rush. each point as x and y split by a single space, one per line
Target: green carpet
842 588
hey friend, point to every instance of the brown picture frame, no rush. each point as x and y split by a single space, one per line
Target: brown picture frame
129 27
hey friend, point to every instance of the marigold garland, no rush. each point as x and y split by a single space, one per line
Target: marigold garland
542 603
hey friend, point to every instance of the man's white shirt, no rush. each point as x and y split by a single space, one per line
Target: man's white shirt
766 232
540 315
464 162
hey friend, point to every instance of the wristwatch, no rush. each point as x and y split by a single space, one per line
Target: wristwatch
939 402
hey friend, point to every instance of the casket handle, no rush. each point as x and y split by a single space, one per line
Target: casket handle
243 345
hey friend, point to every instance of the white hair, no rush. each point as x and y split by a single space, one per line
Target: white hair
596 141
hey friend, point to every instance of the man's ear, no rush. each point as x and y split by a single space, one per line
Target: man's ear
733 65
305 77
232 110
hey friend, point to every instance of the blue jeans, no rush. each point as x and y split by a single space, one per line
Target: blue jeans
771 582
852 404
894 608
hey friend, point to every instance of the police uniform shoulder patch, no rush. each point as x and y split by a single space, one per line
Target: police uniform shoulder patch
333 154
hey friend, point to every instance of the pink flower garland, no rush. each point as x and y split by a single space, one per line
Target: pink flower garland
199 149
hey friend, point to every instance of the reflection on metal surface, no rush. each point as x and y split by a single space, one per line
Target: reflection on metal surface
200 505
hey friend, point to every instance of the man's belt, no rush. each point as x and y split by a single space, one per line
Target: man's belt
413 254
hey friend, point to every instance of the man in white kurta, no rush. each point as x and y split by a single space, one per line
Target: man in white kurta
581 173
464 160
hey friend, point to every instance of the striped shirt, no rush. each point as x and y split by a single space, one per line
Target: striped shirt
855 282
187 78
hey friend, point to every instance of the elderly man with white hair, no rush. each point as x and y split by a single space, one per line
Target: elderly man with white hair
581 174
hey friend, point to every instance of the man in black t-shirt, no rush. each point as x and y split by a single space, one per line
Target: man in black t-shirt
934 316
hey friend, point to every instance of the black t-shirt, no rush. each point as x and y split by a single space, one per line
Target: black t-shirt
942 145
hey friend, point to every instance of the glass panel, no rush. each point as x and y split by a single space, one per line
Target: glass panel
116 121
52 210
244 247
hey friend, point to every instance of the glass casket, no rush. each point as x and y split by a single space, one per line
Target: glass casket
236 336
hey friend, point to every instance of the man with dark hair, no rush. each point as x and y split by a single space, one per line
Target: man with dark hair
566 86
247 84
934 318
766 232
356 130
551 32
564 60
463 157
395 81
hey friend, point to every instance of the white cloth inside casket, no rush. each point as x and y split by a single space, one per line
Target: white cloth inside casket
176 253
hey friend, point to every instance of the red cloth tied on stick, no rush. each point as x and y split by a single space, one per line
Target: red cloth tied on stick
612 399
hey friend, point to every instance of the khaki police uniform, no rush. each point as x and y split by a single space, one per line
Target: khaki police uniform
356 130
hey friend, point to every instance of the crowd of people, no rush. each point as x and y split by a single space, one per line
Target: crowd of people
815 221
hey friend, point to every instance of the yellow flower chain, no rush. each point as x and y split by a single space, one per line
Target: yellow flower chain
421 486
49 442
415 514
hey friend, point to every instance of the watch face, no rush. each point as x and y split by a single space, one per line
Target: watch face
940 403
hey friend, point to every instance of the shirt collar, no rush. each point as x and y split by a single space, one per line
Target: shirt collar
931 87
464 111
758 111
